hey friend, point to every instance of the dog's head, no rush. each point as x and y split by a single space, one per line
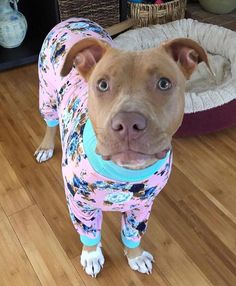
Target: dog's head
136 99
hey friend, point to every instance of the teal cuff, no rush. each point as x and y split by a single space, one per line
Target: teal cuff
87 241
52 123
129 243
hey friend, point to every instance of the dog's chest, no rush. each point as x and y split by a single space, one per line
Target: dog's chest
92 189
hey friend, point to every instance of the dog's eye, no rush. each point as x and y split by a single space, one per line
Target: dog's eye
164 84
103 85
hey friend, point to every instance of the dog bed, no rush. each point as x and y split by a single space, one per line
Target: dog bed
210 101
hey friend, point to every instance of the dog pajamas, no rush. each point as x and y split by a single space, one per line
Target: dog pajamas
92 185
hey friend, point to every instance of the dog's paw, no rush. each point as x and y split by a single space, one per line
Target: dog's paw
142 263
42 155
92 262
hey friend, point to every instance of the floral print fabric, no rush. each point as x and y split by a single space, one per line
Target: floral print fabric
64 100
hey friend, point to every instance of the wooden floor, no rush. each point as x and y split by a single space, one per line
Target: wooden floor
192 230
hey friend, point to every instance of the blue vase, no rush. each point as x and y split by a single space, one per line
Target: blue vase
13 25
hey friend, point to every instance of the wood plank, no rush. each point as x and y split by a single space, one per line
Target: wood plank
9 179
210 172
2 214
22 96
43 249
184 188
13 196
15 268
180 222
178 268
15 139
15 201
49 195
221 227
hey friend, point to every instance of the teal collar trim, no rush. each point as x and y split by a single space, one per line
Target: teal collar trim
109 169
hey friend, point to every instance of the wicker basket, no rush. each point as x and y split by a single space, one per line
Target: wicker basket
151 14
104 12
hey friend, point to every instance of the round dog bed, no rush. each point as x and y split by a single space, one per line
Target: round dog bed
210 101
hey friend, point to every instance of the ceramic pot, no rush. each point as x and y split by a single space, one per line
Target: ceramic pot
13 25
218 6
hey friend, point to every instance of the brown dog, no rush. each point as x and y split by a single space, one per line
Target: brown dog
135 104
138 90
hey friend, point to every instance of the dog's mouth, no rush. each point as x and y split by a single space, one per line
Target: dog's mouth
133 159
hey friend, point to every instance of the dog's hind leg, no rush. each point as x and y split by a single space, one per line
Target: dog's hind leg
45 150
47 106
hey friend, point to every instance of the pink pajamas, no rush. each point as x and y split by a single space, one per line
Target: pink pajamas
91 184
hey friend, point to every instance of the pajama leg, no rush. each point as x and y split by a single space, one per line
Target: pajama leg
87 221
47 90
48 105
134 224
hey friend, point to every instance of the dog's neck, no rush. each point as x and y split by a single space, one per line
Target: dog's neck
108 168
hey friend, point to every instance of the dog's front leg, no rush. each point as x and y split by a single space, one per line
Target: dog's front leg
92 259
87 221
139 260
134 225
46 148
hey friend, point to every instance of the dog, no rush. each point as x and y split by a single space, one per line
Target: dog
117 112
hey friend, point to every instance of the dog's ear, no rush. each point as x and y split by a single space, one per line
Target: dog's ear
85 55
187 54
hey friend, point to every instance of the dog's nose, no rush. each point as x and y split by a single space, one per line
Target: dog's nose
128 124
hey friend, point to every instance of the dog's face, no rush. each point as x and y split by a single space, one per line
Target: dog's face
136 99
